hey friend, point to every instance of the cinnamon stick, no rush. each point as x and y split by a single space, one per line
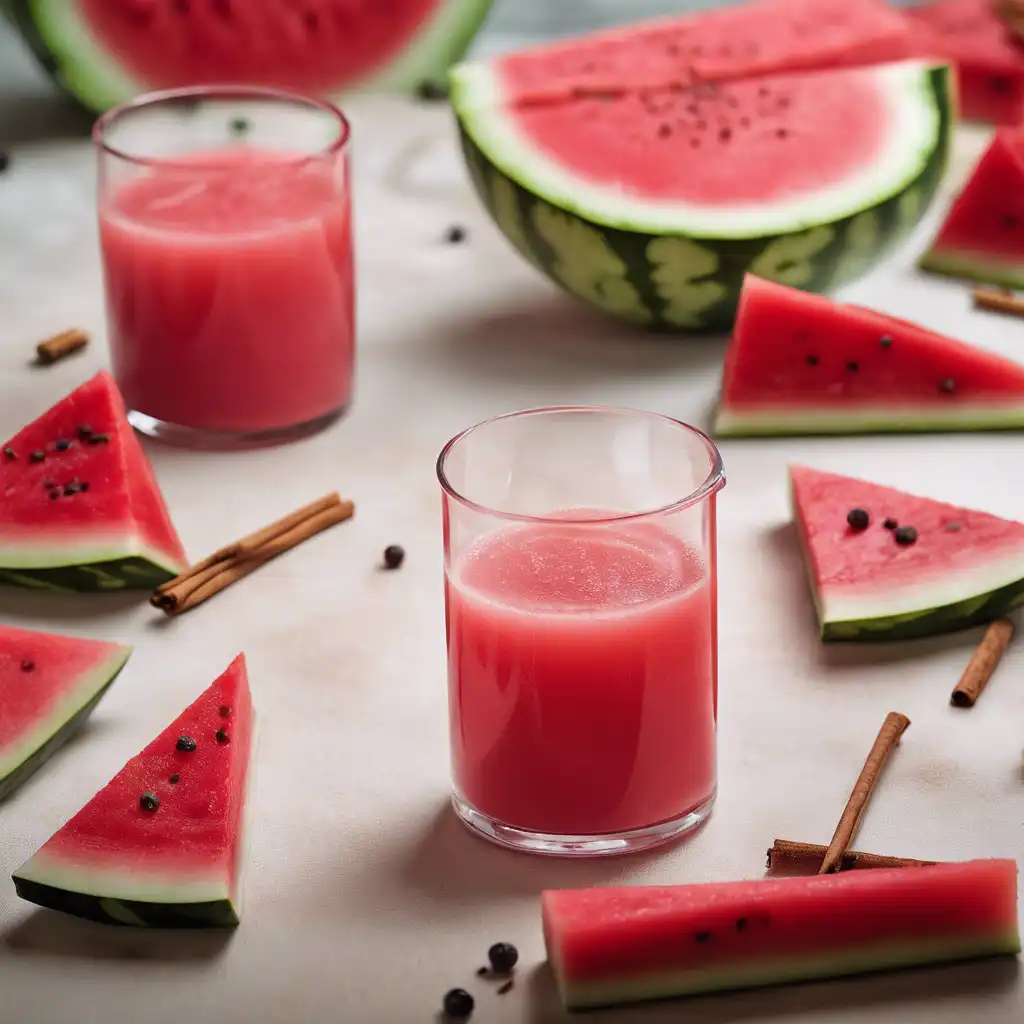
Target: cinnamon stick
983 663
61 345
785 853
236 561
998 300
889 735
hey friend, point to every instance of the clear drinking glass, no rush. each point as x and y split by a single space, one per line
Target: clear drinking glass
225 231
581 620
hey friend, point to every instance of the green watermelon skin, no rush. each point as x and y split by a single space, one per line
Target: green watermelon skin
816 257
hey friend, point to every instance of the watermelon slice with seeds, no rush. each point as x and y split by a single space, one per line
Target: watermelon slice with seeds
162 843
919 567
81 508
49 685
610 945
804 364
982 237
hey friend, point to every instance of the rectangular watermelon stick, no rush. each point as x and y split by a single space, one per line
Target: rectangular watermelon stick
889 735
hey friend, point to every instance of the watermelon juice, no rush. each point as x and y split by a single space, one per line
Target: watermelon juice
230 297
582 681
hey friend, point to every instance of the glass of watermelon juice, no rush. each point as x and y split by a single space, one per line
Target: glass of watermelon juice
225 232
581 620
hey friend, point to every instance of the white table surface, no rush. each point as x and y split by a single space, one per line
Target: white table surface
366 900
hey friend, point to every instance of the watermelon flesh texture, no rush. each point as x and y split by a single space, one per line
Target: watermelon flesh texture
804 364
619 945
966 567
989 62
106 51
49 685
982 237
114 534
178 865
740 41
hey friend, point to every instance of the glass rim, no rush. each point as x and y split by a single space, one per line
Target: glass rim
713 482
105 121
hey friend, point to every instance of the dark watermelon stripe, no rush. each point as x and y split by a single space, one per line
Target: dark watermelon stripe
129 913
704 275
9 783
131 573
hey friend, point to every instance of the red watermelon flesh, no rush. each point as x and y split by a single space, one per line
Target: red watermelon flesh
982 237
805 364
615 945
49 684
317 46
92 499
741 41
177 864
989 61
965 567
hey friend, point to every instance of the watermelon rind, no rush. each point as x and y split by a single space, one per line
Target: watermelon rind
973 267
21 760
87 569
67 50
680 267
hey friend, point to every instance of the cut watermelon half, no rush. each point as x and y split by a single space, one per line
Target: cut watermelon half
982 238
162 844
107 51
621 945
49 685
803 364
989 63
82 509
964 568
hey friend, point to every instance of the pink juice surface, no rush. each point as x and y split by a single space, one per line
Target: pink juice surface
230 290
582 677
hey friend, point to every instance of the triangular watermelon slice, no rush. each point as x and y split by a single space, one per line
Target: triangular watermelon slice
49 685
982 238
81 507
161 844
885 581
804 364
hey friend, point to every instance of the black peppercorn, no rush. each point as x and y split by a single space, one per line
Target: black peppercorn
458 1004
503 957
394 555
455 234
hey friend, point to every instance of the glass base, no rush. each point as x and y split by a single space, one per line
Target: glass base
605 845
228 440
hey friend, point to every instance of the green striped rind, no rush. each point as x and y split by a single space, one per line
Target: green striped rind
677 283
974 267
131 573
60 40
20 774
579 995
130 913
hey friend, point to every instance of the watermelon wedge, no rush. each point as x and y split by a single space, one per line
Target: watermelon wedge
82 509
989 63
803 364
161 844
919 567
982 238
621 945
106 51
646 169
49 686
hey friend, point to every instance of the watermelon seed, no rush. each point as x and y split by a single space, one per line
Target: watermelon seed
70 489
48 484
37 456
948 385
185 744
10 454
852 367
905 535
1009 221
85 432
1000 84
54 495
84 485
741 924
174 779
224 711
240 125
858 518
62 446
954 527
890 523
149 801
455 234
98 439
27 665
885 341
222 736
665 130
703 937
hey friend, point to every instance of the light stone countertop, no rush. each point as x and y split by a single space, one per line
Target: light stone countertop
366 900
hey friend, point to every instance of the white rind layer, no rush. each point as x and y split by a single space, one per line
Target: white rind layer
26 550
914 135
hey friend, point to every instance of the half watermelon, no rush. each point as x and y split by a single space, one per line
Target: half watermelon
620 945
49 685
106 51
162 843
982 237
803 364
917 567
81 506
645 170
